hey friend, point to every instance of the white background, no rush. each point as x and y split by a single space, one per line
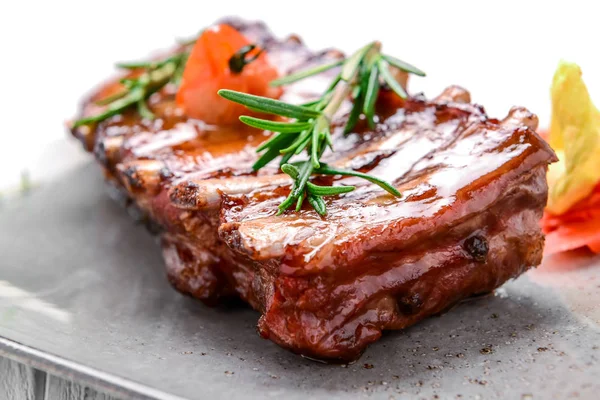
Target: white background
504 52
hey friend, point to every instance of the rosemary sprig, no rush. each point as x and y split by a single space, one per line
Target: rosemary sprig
360 77
155 75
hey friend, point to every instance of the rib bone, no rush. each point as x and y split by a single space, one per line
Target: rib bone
198 194
519 116
142 176
454 94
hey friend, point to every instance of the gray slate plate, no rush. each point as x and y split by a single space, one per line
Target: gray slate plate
83 295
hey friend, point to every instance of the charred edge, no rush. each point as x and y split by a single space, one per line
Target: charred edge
86 135
133 178
165 174
185 195
106 150
100 153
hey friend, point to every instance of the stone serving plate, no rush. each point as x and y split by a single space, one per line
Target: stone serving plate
83 295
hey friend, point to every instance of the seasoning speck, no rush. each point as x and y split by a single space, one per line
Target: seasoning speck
229 373
368 366
494 315
486 350
542 349
477 247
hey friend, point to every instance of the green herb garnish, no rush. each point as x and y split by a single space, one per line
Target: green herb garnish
359 78
153 77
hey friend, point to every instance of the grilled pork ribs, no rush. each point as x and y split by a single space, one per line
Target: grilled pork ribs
473 192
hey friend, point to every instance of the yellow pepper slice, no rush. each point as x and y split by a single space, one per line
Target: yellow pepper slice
575 135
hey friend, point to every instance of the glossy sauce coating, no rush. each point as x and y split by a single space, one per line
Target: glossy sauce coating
328 286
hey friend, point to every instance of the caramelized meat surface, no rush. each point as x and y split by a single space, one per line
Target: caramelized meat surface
473 192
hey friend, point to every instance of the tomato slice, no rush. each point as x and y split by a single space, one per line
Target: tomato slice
207 71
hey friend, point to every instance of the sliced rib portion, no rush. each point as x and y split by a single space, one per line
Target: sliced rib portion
473 193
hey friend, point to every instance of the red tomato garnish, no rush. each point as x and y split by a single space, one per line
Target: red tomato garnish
578 227
207 71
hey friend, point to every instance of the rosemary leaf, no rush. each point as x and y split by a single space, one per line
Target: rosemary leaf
272 153
318 204
275 141
329 139
328 170
114 108
296 76
266 158
285 158
371 96
354 114
274 126
305 173
137 65
287 203
328 190
291 170
334 83
150 65
296 143
314 148
311 103
109 99
302 145
300 201
144 110
128 82
404 66
268 105
390 80
353 63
